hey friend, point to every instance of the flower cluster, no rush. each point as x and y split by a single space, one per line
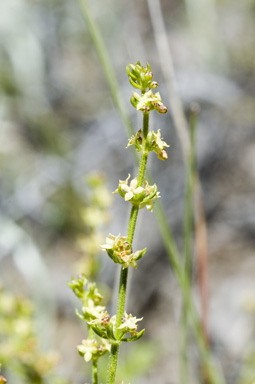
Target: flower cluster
100 321
153 143
148 102
139 196
90 349
90 297
19 347
93 215
129 324
120 251
106 328
87 292
141 77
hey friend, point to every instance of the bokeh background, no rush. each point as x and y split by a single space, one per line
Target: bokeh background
58 124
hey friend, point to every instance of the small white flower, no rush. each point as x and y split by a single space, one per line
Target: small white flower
129 323
92 309
129 190
91 349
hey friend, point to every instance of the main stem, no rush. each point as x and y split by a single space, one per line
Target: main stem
113 358
94 372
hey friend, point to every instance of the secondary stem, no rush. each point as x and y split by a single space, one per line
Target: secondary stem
113 359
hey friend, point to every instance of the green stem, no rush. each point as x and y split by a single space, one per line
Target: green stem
142 168
113 359
112 364
107 67
132 224
184 342
144 157
145 125
94 372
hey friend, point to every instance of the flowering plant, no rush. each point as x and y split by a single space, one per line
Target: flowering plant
122 327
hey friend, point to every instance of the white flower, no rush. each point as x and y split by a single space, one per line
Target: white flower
139 196
93 310
120 252
129 323
129 190
87 349
91 349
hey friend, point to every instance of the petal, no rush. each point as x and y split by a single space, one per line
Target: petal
81 348
128 178
128 196
133 183
125 188
149 207
138 190
87 356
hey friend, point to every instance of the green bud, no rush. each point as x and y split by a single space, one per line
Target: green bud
162 109
148 75
120 252
153 85
135 98
163 155
140 77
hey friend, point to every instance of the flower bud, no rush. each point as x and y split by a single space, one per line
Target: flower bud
162 109
148 76
153 85
133 101
163 155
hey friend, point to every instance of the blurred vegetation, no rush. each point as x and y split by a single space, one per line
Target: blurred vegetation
19 349
52 91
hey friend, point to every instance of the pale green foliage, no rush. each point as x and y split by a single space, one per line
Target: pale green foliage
19 349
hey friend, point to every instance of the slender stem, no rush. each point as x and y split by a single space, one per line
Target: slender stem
184 341
188 250
145 124
132 224
144 157
113 359
94 372
110 76
142 168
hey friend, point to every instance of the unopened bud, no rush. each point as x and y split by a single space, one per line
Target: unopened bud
148 75
105 320
153 85
133 101
162 109
163 155
3 380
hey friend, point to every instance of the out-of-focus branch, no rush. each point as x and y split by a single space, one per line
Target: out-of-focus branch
182 129
167 69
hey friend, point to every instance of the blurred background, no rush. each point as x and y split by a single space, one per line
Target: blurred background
62 153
